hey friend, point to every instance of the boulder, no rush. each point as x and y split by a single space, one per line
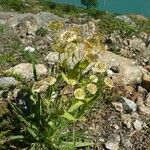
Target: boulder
130 72
7 82
25 70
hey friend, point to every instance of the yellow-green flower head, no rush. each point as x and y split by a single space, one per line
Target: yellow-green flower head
94 78
108 82
79 93
92 88
71 81
50 80
68 36
41 86
99 67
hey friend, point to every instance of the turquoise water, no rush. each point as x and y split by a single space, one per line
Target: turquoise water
118 6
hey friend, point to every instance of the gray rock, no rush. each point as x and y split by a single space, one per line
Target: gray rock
128 105
118 106
142 91
7 82
115 69
25 70
148 100
126 19
126 143
137 125
52 58
126 120
112 145
130 72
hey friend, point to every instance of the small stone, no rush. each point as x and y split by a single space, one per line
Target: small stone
128 105
7 82
129 89
142 91
116 126
112 145
115 69
146 82
52 58
126 119
147 67
126 143
118 106
137 125
110 73
144 110
148 100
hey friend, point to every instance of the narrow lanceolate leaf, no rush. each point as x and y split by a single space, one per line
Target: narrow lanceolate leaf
68 116
75 106
16 137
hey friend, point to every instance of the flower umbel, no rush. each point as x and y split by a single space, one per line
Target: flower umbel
93 78
99 67
92 88
79 93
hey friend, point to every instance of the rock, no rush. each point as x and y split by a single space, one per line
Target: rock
25 70
112 145
7 82
115 69
118 106
52 58
147 101
128 105
142 91
137 125
144 110
129 89
130 72
146 82
126 19
126 143
126 119
110 73
147 67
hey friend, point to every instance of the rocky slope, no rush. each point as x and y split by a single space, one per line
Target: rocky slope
124 123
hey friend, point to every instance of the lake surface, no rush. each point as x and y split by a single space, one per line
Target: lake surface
118 6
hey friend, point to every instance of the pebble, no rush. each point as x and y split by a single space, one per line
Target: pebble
128 105
118 106
115 69
126 119
137 125
112 145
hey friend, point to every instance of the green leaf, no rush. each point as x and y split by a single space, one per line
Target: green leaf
68 116
75 106
64 77
32 133
16 137
84 144
77 144
84 64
